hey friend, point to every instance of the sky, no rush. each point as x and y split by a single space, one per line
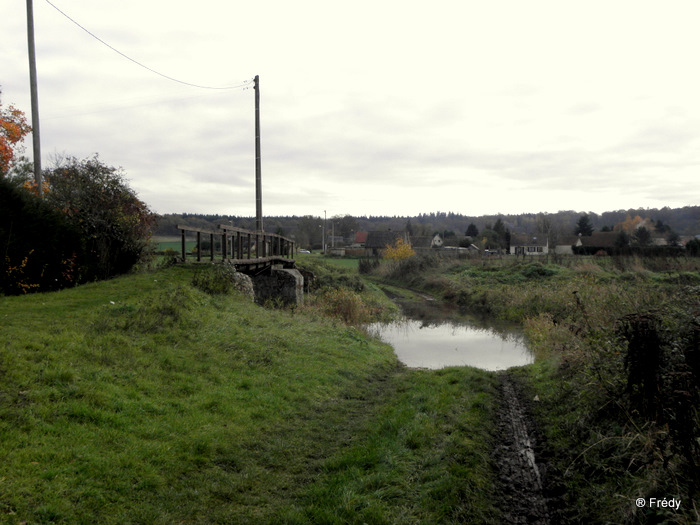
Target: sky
371 107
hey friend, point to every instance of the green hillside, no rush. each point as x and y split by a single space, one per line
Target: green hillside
142 399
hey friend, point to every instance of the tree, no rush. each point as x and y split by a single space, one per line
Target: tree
308 231
693 247
346 225
472 231
642 236
399 250
115 224
13 129
490 239
673 238
409 227
622 240
584 226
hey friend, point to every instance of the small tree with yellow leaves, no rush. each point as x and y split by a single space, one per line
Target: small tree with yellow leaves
399 250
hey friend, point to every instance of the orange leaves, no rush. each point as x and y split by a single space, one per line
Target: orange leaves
13 128
32 187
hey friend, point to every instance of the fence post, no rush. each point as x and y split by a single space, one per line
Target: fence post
199 246
223 246
184 257
211 247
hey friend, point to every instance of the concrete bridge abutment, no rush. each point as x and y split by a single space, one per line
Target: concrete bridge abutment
280 284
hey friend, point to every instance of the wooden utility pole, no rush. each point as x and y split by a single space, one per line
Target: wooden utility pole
35 98
258 175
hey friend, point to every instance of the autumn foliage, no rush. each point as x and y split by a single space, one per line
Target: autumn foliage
399 250
13 128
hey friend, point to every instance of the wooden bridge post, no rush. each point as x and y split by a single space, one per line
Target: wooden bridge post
184 257
199 246
239 246
224 245
249 246
211 247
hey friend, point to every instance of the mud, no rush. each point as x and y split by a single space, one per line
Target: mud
520 476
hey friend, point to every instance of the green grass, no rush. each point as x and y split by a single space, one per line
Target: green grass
343 262
145 400
424 458
176 246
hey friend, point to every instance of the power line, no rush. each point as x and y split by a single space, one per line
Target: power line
242 84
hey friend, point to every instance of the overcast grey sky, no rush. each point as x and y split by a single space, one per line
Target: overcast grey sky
373 107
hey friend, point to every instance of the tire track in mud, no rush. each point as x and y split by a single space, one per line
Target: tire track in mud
520 481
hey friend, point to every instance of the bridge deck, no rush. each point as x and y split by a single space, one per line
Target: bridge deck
248 251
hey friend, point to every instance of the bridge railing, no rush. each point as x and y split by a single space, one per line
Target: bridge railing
238 244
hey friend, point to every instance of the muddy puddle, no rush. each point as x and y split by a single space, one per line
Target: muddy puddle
431 336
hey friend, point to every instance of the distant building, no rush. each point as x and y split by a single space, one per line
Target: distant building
524 244
360 240
378 240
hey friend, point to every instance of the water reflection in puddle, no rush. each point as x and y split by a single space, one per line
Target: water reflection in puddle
421 344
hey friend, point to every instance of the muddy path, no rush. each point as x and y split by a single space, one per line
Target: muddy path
520 476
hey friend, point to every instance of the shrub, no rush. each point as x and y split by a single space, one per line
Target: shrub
367 264
344 304
537 270
115 225
214 279
41 249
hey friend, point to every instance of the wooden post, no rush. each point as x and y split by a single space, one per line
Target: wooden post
199 246
184 257
211 244
249 247
224 245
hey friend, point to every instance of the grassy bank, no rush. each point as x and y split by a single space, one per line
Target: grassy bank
617 377
145 400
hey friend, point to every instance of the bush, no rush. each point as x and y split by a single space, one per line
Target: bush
537 270
344 304
115 225
367 264
214 279
41 249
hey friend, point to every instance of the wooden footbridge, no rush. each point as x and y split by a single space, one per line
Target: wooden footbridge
251 252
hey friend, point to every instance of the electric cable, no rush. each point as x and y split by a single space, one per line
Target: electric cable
243 84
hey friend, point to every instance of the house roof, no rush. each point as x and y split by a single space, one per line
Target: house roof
360 237
602 239
380 239
421 241
526 239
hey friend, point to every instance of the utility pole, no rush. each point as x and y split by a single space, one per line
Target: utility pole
35 98
258 175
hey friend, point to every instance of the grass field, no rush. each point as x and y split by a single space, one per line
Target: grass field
144 400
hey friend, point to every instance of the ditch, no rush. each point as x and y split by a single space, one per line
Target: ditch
433 336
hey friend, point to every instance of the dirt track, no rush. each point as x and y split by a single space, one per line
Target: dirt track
520 480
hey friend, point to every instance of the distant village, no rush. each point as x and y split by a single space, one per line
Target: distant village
656 231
